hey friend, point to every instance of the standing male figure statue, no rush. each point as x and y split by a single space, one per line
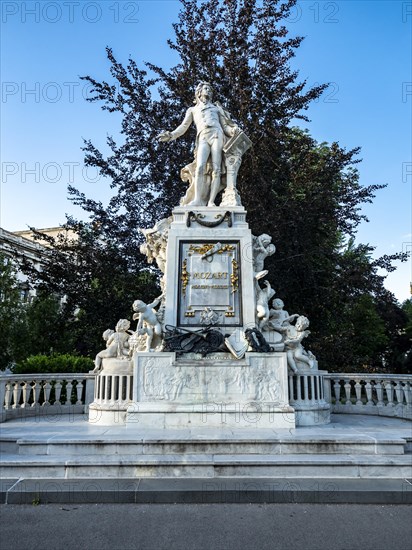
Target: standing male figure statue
214 127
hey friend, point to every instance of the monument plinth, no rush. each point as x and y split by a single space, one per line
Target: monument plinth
209 265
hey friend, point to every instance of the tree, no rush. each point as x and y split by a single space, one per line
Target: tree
27 328
98 278
312 195
13 328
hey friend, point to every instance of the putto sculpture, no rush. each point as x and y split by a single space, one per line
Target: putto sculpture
148 323
117 344
216 146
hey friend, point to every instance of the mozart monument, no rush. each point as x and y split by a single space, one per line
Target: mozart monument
215 349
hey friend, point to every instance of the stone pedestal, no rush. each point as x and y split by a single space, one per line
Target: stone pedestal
210 264
113 392
307 396
216 391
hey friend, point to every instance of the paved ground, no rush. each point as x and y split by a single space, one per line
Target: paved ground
207 526
55 427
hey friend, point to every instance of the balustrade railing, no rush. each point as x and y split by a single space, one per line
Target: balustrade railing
32 394
376 394
354 393
113 389
307 397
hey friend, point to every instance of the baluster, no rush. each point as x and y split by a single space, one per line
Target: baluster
389 392
368 389
8 396
399 392
69 389
79 391
121 382
46 393
97 395
312 387
130 388
358 391
35 393
16 395
299 387
379 393
108 388
305 388
57 392
336 390
321 382
26 395
348 388
407 393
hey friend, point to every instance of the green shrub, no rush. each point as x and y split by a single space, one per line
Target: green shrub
55 363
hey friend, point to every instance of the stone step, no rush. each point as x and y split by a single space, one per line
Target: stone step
200 490
358 445
206 466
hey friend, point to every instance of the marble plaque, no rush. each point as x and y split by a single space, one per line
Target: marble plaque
209 277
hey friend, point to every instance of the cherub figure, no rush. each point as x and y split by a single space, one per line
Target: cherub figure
117 344
156 243
148 322
262 248
278 317
296 353
262 303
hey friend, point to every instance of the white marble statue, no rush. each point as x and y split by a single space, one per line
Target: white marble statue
214 128
156 243
148 322
263 296
298 357
262 248
117 344
278 317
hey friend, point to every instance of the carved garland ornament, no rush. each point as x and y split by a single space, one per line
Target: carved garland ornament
220 218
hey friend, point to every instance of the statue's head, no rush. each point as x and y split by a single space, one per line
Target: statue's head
138 305
302 323
203 90
122 325
278 303
107 333
265 239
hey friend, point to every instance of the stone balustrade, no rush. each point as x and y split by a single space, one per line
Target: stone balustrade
36 394
307 397
376 394
313 394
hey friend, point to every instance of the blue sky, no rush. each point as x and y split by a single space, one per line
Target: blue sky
362 47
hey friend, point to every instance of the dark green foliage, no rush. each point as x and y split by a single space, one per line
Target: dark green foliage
55 363
305 194
27 328
13 326
99 279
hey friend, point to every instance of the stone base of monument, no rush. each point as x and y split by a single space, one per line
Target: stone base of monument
113 392
216 391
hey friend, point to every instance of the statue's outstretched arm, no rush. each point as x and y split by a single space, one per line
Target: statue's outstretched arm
180 130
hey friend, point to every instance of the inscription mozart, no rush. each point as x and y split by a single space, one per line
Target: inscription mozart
209 278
